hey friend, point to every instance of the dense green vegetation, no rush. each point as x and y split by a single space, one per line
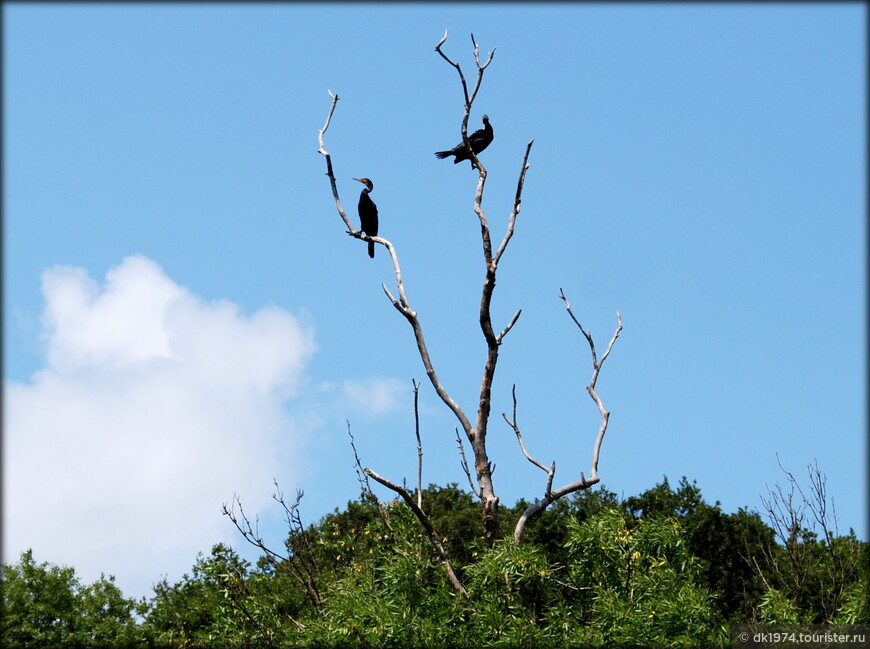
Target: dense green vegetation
661 569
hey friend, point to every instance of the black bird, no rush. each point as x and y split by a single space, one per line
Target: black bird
478 140
368 213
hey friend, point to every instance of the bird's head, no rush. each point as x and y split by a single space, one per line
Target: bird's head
365 181
486 119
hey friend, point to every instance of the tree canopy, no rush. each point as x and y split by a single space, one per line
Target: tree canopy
661 569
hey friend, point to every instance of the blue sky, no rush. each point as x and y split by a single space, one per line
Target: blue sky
185 319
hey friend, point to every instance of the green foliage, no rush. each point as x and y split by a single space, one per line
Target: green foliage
728 547
815 580
456 515
519 598
47 606
193 612
641 583
777 608
661 500
225 603
392 593
661 569
621 586
856 604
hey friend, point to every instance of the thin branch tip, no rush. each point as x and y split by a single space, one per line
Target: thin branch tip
441 42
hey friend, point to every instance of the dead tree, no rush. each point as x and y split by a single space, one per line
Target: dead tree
474 428
300 560
797 518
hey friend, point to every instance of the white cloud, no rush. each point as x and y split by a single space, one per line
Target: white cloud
153 409
376 396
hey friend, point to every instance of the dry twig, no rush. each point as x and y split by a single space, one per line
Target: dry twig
464 464
300 561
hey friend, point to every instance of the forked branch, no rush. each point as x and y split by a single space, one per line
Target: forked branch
551 496
596 368
469 98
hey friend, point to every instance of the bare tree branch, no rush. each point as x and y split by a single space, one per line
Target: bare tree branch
469 99
510 325
788 516
517 201
787 519
249 532
455 65
513 424
596 368
361 477
476 433
584 483
329 172
357 234
548 499
419 444
464 464
299 544
304 569
411 316
401 304
477 436
363 480
427 525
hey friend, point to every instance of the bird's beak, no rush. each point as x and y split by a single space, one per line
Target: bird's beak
359 181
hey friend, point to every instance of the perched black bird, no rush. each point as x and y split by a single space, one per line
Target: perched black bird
478 140
368 213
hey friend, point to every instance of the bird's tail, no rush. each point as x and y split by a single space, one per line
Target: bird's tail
372 249
443 154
